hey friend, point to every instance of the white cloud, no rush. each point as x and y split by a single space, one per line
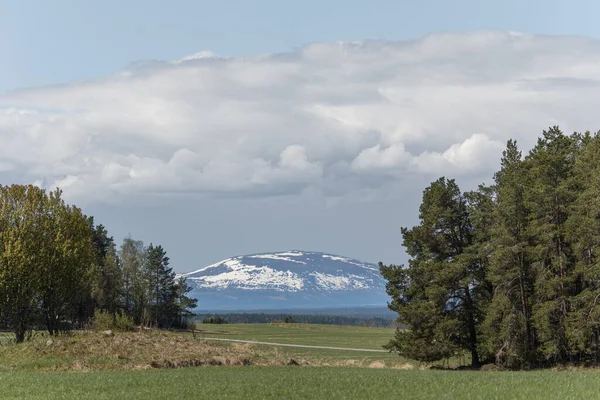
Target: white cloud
475 154
332 118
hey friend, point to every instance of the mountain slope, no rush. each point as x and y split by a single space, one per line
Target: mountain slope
289 279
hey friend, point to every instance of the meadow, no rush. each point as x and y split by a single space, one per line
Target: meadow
300 383
145 366
314 335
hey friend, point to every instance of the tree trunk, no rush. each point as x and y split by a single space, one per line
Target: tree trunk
472 330
20 335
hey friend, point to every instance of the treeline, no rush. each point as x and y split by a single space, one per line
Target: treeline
58 269
264 318
509 273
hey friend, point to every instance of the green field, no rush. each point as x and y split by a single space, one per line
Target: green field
313 335
305 334
96 367
300 383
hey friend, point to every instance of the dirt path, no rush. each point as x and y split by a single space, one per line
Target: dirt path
294 345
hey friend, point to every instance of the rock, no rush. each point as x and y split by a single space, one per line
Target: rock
50 342
108 333
293 362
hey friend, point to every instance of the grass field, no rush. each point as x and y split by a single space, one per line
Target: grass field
90 365
313 335
300 383
306 334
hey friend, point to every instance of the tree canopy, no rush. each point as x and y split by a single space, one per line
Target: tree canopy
57 268
510 272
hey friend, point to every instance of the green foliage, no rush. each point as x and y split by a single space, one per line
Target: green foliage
20 262
103 321
59 269
526 253
124 322
440 294
45 254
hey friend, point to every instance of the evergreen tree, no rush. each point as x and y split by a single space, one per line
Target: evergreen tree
161 280
107 286
530 254
509 327
549 197
437 296
583 232
183 304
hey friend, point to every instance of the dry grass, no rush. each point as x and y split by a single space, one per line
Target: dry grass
140 350
87 351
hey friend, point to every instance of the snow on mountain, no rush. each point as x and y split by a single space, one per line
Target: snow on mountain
290 271
287 279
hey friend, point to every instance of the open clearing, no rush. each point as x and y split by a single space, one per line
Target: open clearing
162 349
300 383
354 337
305 334
89 365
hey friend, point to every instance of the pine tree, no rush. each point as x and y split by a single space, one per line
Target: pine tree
583 231
182 303
437 296
161 280
549 197
107 286
509 327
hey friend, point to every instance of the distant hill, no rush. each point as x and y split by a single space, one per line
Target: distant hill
288 280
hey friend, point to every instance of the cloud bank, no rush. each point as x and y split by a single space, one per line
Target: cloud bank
329 118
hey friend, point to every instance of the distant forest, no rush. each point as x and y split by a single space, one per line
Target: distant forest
263 318
60 270
510 272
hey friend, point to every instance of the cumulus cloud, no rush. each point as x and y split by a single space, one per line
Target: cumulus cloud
330 118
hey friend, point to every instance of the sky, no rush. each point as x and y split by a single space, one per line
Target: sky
225 128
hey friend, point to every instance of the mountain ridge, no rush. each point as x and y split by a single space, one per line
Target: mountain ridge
290 278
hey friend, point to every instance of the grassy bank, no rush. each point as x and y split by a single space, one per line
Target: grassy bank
135 350
162 349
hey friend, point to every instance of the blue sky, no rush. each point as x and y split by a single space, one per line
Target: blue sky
46 42
255 126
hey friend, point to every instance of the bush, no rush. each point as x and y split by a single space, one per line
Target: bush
102 321
124 322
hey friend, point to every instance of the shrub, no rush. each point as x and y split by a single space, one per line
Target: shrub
124 322
102 321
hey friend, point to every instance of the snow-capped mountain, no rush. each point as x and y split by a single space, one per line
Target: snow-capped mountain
289 279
